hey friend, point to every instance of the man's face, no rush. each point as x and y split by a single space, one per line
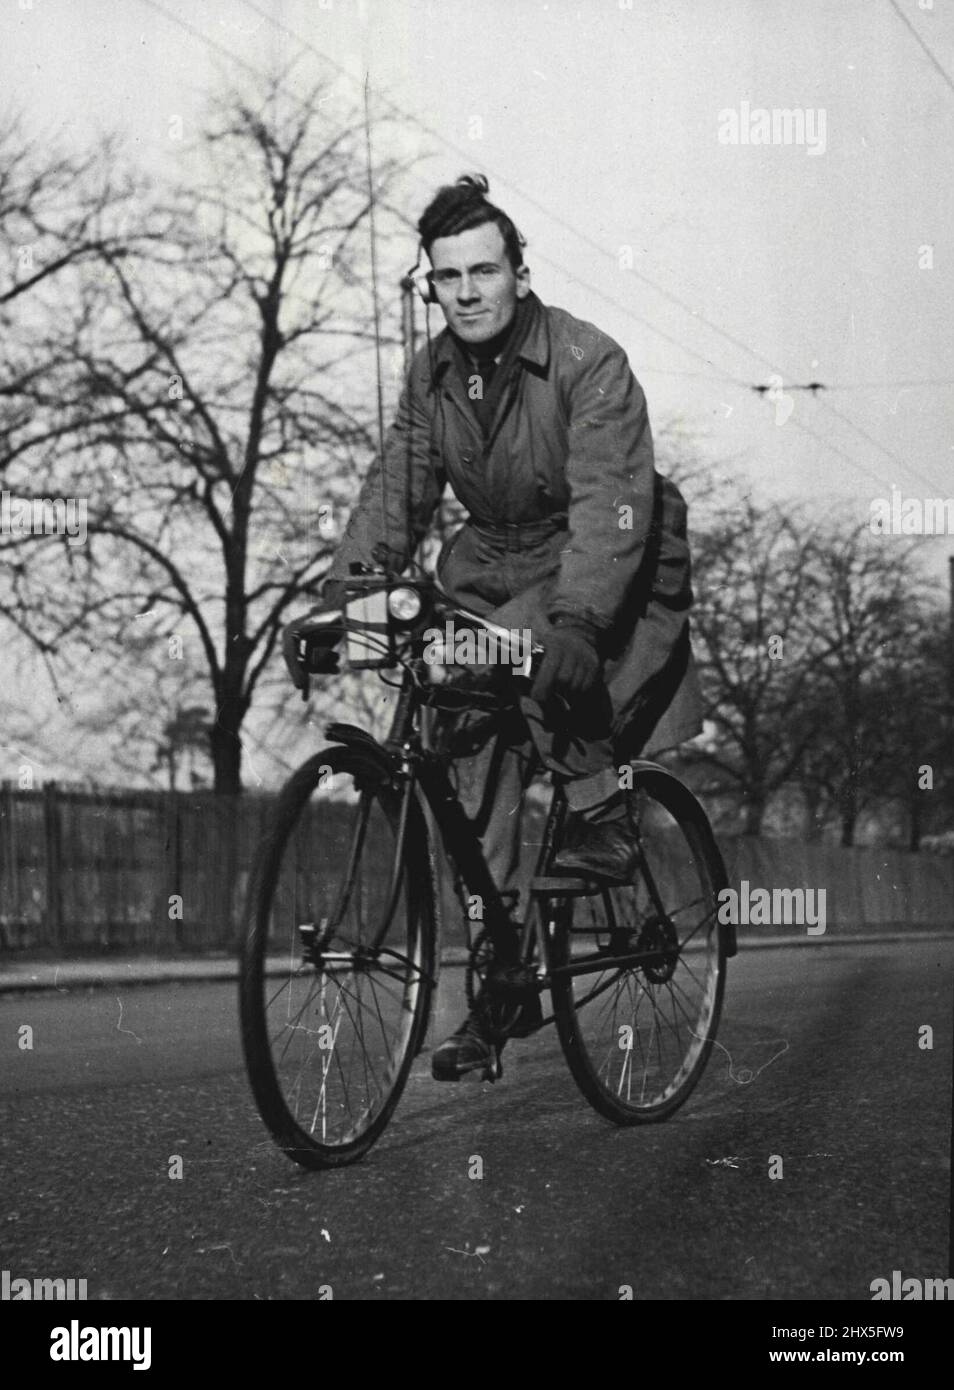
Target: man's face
476 285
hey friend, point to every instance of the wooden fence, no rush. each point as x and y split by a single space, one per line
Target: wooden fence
100 871
157 872
106 870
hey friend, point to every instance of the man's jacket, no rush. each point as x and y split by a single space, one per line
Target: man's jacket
570 436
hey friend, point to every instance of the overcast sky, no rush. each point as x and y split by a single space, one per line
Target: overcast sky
715 264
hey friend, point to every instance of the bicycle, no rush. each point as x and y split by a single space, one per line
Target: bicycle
339 962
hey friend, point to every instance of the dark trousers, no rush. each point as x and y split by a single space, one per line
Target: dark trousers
492 780
508 577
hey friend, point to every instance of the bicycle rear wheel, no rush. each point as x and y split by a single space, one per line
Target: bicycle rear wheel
637 1033
338 961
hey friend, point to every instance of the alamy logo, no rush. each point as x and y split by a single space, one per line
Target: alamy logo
464 647
912 516
75 1343
15 1288
776 907
911 1289
43 516
755 125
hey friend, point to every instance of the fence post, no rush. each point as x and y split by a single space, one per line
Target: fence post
9 886
51 833
175 815
231 935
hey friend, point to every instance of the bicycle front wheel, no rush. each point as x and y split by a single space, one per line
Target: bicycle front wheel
338 961
638 1022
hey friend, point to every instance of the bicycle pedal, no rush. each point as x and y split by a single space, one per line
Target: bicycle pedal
560 886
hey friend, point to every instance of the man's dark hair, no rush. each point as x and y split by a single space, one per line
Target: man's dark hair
457 207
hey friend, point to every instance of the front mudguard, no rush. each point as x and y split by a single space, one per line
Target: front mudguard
353 737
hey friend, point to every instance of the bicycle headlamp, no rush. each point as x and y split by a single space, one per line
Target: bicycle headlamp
404 604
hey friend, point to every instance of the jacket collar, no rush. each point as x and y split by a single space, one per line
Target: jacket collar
535 349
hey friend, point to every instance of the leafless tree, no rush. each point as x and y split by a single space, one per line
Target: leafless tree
868 702
755 588
207 390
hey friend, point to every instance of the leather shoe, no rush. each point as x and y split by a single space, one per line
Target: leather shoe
470 1048
598 850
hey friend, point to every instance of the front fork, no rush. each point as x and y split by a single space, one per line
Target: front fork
463 850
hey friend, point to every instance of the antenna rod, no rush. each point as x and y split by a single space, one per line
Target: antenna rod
377 313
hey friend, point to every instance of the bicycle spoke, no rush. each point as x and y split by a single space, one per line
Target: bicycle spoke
341 1023
630 1030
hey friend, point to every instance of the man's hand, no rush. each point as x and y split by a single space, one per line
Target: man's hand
571 663
291 651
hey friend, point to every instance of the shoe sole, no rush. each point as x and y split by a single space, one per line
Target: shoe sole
455 1072
585 871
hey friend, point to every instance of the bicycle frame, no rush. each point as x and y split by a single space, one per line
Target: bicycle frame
421 768
424 772
325 1083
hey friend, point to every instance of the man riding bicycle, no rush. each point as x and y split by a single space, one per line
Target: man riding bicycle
537 422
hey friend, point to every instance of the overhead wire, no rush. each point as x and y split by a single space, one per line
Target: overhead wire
729 337
377 313
602 250
921 44
675 299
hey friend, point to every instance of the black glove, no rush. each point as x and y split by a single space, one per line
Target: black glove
308 644
571 664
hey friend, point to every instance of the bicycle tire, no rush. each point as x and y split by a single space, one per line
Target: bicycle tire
602 1056
287 894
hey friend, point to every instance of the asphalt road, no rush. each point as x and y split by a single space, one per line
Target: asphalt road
819 1064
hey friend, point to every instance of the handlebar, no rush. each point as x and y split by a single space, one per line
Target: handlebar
387 622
